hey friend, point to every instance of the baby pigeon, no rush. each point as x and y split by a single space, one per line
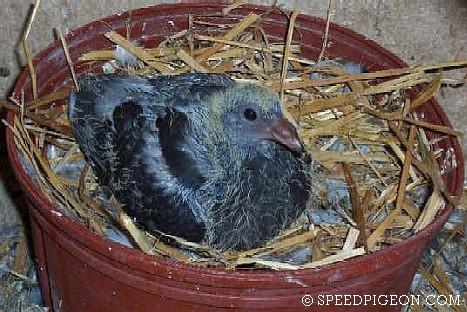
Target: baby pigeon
195 155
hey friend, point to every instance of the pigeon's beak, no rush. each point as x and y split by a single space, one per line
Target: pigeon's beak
284 132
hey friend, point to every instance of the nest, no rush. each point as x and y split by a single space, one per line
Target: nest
379 177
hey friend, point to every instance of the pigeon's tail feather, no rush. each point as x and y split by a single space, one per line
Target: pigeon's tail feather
91 112
92 134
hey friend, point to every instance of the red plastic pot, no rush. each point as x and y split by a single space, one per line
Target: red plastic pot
82 271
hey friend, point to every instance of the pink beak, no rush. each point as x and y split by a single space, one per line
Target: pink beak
284 132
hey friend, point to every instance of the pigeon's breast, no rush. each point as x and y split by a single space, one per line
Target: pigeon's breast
263 196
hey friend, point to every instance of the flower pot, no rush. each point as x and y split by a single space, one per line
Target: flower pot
82 271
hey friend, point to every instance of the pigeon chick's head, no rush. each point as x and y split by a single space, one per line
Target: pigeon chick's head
250 114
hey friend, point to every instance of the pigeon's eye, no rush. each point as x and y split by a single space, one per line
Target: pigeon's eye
249 114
